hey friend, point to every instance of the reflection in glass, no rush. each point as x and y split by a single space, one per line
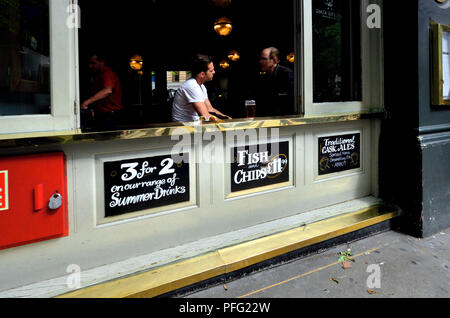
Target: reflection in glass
24 57
174 81
337 50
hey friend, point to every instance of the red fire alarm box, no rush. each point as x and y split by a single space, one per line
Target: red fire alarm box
33 199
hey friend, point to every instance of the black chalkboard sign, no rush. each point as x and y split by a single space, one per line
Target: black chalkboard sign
260 165
144 183
339 153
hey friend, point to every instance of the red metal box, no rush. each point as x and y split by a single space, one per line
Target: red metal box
27 184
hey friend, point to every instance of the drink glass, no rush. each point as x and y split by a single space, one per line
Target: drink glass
250 108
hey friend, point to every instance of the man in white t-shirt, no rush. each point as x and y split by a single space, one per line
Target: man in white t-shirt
191 100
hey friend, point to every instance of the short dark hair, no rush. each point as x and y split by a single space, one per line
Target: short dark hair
100 56
200 64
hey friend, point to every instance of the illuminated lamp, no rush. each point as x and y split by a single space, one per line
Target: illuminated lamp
234 56
223 26
291 57
136 62
224 64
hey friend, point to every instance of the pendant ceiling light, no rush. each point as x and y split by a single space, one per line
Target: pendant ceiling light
136 62
234 56
223 26
291 57
224 64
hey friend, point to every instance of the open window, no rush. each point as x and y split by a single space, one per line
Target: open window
37 78
335 56
342 56
168 33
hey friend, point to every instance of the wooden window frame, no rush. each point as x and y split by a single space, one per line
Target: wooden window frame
63 80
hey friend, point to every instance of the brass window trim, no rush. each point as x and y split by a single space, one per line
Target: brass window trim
36 139
437 76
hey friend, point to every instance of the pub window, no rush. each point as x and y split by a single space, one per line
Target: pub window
37 91
342 58
168 33
24 58
336 50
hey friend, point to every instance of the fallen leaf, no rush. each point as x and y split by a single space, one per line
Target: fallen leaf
346 265
371 291
335 280
342 259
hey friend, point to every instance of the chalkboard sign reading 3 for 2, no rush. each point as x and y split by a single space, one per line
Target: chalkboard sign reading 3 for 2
144 183
339 153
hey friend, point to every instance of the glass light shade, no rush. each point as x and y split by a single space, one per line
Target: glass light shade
136 62
234 56
291 57
223 26
224 64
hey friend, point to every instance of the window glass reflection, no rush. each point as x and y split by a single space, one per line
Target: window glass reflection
24 57
175 79
336 50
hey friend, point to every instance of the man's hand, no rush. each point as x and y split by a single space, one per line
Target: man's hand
100 95
211 109
85 105
210 119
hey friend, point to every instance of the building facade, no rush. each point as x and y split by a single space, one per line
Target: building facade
101 213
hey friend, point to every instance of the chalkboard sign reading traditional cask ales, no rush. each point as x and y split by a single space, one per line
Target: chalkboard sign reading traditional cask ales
339 153
144 183
260 165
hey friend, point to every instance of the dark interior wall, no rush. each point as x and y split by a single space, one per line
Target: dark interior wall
400 162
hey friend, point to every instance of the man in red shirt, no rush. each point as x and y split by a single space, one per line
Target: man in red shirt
107 97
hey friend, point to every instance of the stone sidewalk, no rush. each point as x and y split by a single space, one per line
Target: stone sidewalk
388 264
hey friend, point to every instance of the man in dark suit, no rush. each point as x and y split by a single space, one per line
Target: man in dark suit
275 90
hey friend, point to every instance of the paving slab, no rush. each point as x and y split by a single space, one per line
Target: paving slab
386 265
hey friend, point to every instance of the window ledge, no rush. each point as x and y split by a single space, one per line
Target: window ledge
36 139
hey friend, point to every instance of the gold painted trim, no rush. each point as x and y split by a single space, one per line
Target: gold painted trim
278 186
437 81
173 129
226 260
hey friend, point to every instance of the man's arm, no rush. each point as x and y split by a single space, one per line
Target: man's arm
212 109
104 93
202 109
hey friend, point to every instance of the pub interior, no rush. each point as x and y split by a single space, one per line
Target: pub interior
165 34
